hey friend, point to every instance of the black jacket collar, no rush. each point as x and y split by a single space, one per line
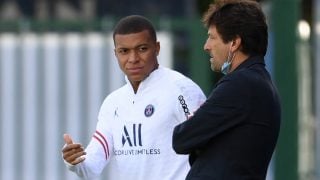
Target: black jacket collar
252 60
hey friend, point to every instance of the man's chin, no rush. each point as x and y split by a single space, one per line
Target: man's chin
214 69
136 78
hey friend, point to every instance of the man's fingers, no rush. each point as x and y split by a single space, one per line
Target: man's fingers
78 160
75 158
72 149
72 153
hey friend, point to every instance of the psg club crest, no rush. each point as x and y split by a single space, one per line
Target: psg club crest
149 110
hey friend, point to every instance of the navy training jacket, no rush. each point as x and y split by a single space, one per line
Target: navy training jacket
232 136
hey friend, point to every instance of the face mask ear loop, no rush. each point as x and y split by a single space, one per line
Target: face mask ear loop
230 55
229 59
226 65
233 55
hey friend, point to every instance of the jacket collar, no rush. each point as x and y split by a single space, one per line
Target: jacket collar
153 77
252 60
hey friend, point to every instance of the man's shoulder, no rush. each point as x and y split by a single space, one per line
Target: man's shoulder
175 76
118 93
247 74
182 83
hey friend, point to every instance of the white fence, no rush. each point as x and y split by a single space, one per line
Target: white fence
51 84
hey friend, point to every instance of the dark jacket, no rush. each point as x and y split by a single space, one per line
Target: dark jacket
233 134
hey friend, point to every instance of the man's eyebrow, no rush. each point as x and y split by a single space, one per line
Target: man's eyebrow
137 46
142 45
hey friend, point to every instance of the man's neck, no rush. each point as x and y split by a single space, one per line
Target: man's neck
239 58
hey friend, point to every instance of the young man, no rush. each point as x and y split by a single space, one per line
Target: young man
233 134
136 122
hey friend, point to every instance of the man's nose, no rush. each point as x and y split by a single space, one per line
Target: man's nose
205 46
133 57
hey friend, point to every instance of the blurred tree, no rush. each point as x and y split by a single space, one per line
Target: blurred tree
203 5
150 8
307 10
26 7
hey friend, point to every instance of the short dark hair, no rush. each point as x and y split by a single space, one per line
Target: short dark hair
134 24
243 18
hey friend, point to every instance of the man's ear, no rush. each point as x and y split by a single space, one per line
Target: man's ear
236 43
158 48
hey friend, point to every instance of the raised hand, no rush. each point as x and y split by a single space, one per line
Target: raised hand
73 153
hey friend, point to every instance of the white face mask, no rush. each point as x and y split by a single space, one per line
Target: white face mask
225 68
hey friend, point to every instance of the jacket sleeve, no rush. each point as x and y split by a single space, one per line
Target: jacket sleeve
226 108
190 98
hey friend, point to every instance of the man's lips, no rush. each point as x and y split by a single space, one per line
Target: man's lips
134 70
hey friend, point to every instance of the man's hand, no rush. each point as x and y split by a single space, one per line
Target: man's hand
72 152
